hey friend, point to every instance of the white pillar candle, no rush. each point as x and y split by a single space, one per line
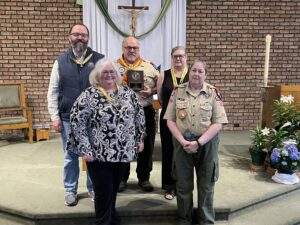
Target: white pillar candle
267 56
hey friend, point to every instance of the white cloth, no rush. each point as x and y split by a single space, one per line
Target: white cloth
52 95
155 47
283 178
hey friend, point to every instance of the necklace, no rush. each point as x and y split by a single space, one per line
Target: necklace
113 100
81 61
183 74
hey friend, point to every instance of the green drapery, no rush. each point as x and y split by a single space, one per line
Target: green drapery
104 9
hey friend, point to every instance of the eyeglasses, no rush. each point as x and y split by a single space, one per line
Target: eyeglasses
134 48
178 56
79 34
108 72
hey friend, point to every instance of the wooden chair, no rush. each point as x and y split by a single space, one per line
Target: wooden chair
12 100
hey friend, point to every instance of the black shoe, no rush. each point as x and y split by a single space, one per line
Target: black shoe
146 186
122 186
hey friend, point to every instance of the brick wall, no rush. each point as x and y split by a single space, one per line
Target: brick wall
229 34
33 33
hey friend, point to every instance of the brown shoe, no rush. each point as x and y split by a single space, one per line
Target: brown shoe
146 186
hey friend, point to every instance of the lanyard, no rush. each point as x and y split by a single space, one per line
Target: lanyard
106 95
82 61
182 76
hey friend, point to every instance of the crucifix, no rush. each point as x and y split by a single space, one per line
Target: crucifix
134 11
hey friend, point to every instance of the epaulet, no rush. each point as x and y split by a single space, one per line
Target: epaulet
211 86
144 61
151 63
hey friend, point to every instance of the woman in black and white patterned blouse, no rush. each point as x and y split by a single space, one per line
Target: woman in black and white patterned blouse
107 130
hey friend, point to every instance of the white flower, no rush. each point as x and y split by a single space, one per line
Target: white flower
287 124
265 131
294 163
287 99
284 152
284 163
265 150
290 141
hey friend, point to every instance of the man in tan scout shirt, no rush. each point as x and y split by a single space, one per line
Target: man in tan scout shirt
130 64
195 115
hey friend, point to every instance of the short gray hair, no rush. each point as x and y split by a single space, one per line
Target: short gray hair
97 71
179 47
199 60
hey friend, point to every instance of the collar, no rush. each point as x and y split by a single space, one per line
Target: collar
195 93
128 65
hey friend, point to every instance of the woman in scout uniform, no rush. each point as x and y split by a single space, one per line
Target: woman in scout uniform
195 115
107 130
167 81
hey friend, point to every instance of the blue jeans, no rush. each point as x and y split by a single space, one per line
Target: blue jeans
71 164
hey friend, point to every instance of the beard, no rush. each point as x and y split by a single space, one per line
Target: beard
79 48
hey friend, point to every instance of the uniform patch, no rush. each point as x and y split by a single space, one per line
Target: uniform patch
122 70
182 113
218 95
91 65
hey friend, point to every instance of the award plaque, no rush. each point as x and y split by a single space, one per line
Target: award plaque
135 79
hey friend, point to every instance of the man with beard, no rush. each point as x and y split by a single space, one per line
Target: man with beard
131 63
69 77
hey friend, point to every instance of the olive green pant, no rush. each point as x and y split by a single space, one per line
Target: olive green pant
205 162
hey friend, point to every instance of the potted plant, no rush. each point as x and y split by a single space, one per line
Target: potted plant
284 141
286 160
297 138
258 149
284 111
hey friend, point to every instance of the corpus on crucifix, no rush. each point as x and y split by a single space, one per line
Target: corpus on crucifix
134 11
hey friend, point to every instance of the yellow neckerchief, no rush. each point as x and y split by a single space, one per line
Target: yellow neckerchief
106 95
128 65
81 61
183 73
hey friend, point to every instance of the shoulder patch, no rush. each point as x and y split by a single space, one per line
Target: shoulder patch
218 95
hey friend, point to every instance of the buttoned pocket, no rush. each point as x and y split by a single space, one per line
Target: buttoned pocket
206 110
182 104
181 108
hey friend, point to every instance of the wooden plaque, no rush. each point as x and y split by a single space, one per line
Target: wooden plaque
136 79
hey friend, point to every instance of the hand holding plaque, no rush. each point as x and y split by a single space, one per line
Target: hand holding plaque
135 79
